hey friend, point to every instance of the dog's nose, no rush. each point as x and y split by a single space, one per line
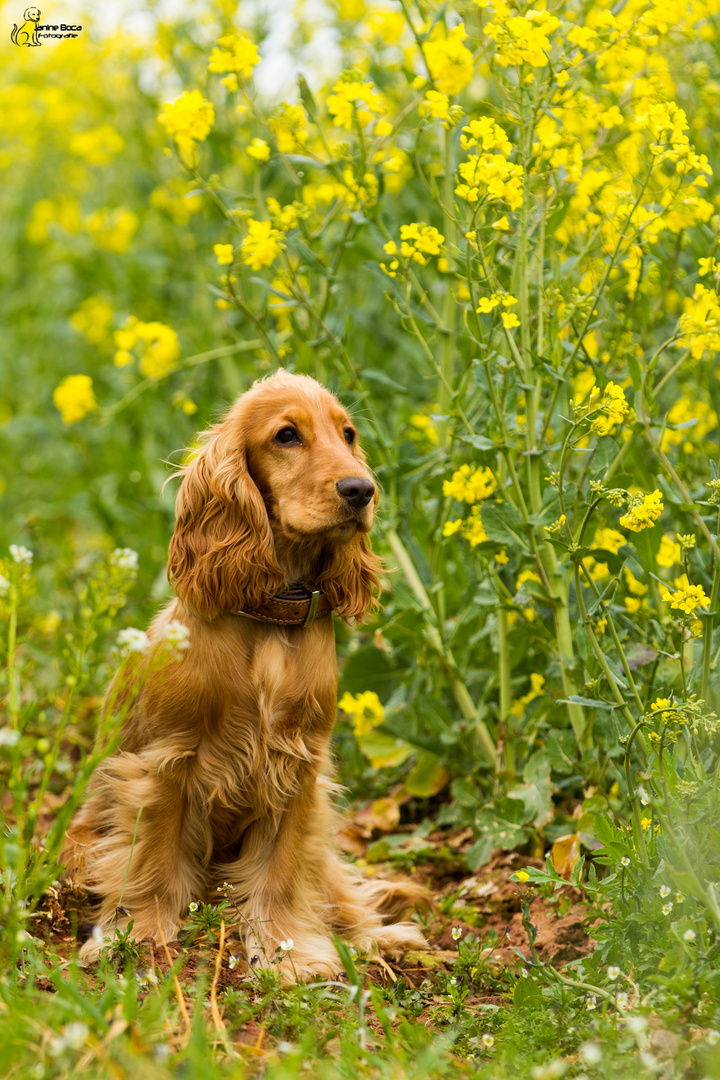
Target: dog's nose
356 491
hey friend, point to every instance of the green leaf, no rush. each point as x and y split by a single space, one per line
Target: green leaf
504 524
379 378
527 994
427 777
591 703
480 442
383 750
369 669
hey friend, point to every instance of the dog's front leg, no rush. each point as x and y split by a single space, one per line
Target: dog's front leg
276 885
143 844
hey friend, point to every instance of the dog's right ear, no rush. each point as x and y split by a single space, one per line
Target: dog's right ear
222 553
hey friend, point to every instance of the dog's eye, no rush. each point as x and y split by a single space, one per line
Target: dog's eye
349 436
287 435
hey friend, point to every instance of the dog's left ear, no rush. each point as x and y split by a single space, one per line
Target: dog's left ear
351 580
222 553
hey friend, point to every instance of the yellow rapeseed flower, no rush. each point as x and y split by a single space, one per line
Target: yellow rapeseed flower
235 53
258 149
643 513
262 245
74 398
685 597
224 253
188 120
366 711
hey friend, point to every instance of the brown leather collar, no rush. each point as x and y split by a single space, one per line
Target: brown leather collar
296 607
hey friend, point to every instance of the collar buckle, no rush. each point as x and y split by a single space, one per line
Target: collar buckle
314 601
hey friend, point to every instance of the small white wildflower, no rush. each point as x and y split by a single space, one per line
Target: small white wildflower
233 960
286 946
624 861
177 635
647 1059
664 891
97 935
713 1037
689 935
525 973
192 907
124 559
644 799
147 977
487 1040
9 737
613 972
75 1035
453 981
353 953
456 933
622 999
636 1024
21 555
4 586
133 640
667 908
552 1071
591 1053
591 1002
680 898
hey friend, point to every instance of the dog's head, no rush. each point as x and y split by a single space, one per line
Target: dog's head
279 491
32 14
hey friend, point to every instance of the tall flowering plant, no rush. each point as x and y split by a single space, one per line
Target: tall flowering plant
494 229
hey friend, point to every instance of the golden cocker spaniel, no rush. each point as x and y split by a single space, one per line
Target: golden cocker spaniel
222 772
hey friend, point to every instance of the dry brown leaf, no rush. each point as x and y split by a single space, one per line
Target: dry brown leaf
565 853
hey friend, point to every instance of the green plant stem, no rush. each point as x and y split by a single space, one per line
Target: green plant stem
632 794
460 690
13 676
505 686
447 332
709 621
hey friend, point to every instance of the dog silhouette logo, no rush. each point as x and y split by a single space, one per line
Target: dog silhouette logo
27 34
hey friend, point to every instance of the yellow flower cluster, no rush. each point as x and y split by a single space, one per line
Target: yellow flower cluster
449 61
435 104
521 39
365 709
113 230
689 424
237 55
262 245
288 124
614 409
493 176
418 242
669 552
699 325
351 97
93 319
685 597
470 485
224 254
74 398
258 149
471 528
643 512
537 689
487 135
159 345
189 120
97 146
